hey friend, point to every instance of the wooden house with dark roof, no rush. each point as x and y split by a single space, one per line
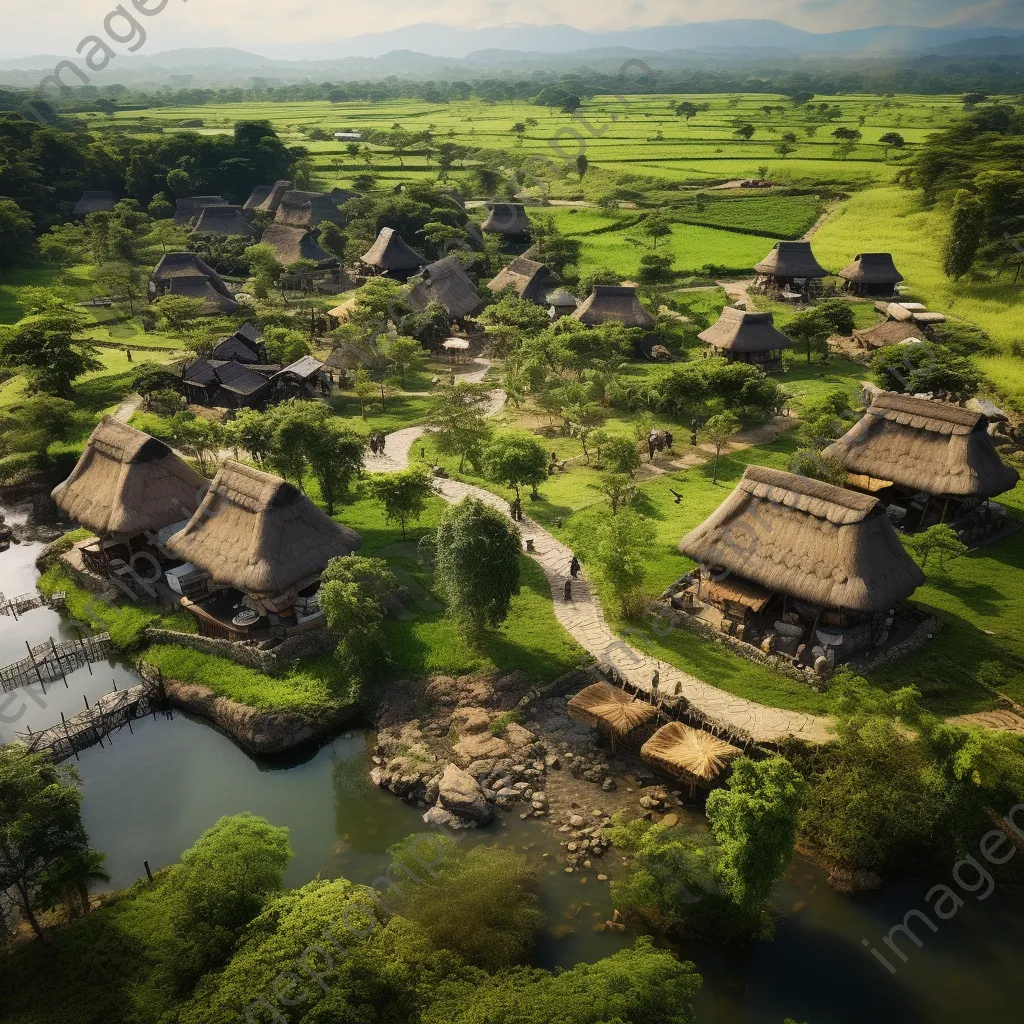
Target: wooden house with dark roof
447 283
872 274
391 256
226 384
528 278
934 459
305 378
94 202
174 265
223 220
790 266
745 336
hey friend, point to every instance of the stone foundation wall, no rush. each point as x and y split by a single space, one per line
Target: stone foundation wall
914 642
270 661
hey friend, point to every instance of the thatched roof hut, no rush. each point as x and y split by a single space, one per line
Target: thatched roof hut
391 255
256 197
692 754
247 332
872 273
447 283
889 332
746 336
199 287
924 446
260 535
530 279
613 302
94 202
184 265
609 710
274 196
822 544
127 483
306 209
507 219
293 244
789 260
188 209
223 220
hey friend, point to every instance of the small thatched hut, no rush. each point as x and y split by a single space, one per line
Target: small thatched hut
390 256
447 283
258 196
175 265
293 244
904 447
872 273
274 196
306 209
265 544
690 754
126 485
94 202
507 219
188 209
200 287
744 336
223 220
611 711
530 279
790 266
889 332
613 302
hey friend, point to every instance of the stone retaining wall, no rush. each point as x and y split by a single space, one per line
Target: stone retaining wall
914 642
270 661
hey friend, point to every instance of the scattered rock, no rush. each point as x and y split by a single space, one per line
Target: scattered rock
441 818
461 794
670 820
576 820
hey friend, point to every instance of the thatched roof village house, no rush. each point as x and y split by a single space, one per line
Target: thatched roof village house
94 202
889 332
611 711
189 208
199 287
447 283
274 196
125 488
872 273
390 256
791 267
693 755
934 459
226 384
175 265
507 219
223 220
529 279
744 336
306 209
613 302
797 566
264 545
258 196
560 303
293 244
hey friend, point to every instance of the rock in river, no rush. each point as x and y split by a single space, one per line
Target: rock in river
461 794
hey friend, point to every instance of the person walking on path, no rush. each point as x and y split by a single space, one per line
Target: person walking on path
516 510
567 591
373 443
128 353
668 439
651 445
382 440
574 568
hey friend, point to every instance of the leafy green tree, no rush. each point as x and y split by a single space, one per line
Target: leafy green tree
431 327
619 488
811 328
619 547
837 314
160 207
123 282
405 356
940 540
582 164
477 564
17 234
514 458
966 229
181 317
892 140
179 184
654 227
745 131
509 310
197 437
719 430
621 455
811 463
50 348
284 345
36 424
599 275
457 422
404 494
364 388
63 245
68 881
334 453
252 431
40 828
927 367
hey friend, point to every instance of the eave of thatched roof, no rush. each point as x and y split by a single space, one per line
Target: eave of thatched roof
274 196
187 264
791 259
507 219
95 202
259 534
306 209
889 332
223 220
926 446
609 709
447 283
189 208
293 244
530 279
872 268
257 196
681 750
197 287
391 252
613 302
825 545
739 330
127 483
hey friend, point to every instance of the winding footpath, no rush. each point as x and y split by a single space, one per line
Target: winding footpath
584 619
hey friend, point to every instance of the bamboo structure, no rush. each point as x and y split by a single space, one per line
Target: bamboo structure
690 754
49 661
610 710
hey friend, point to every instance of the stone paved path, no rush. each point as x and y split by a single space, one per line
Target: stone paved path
584 619
124 412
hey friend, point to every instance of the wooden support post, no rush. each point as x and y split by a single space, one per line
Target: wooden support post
149 874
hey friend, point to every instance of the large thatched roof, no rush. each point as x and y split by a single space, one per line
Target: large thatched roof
293 244
259 534
447 283
274 196
791 259
924 446
306 209
187 264
681 750
127 482
507 219
390 252
95 202
872 268
258 195
739 330
199 287
820 543
223 220
189 208
613 302
531 280
610 710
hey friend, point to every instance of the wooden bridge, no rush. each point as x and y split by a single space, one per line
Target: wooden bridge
16 606
50 661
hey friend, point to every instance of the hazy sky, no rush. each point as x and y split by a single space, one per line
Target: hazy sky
56 26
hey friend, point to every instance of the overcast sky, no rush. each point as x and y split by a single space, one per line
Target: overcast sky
56 26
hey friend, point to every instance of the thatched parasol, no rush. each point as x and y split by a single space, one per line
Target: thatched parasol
691 753
610 710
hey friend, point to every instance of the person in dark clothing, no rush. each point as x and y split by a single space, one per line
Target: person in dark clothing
693 433
574 567
373 443
128 353
567 591
381 441
668 438
650 448
517 510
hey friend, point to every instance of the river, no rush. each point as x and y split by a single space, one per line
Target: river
149 793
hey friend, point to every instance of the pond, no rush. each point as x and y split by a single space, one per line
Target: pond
149 794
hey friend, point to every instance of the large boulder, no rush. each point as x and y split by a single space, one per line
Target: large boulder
461 794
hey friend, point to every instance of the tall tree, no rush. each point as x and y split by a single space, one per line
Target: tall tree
457 422
619 547
50 348
719 431
516 457
966 228
404 494
335 455
17 234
